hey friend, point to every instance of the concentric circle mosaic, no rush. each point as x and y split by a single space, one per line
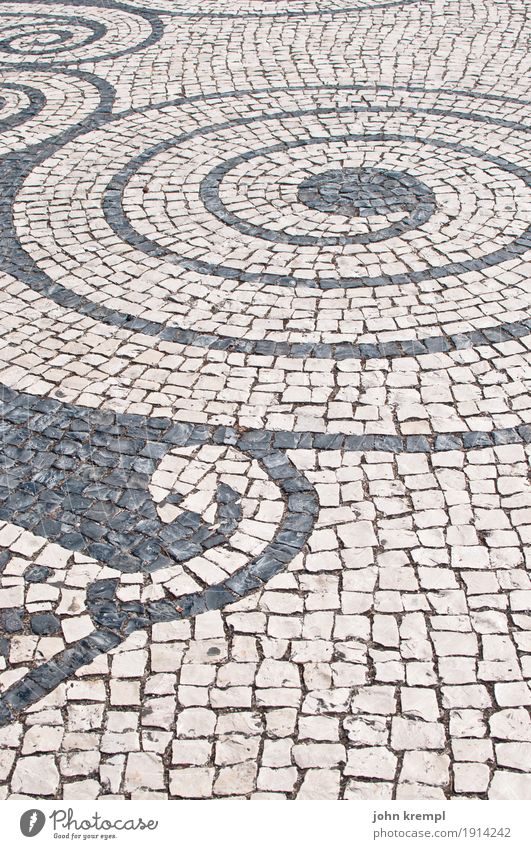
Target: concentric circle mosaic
221 203
307 140
270 8
348 192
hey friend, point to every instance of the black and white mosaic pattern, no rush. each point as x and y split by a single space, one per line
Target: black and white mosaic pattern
264 297
361 192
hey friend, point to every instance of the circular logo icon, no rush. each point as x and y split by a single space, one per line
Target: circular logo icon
32 822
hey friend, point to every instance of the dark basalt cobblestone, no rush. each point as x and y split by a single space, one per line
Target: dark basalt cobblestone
299 9
263 410
63 26
350 192
367 191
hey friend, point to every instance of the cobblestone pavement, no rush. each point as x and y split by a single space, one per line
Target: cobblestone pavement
264 296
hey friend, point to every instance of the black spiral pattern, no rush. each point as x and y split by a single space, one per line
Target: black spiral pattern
297 160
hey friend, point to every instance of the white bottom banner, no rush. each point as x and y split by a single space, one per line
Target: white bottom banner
145 824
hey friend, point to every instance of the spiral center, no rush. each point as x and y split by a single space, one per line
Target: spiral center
362 192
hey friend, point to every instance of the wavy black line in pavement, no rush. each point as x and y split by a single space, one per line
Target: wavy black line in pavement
80 477
15 168
287 13
117 217
97 29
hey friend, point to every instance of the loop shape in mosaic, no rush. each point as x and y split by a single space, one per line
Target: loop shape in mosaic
397 199
73 32
154 164
155 198
36 107
232 508
268 8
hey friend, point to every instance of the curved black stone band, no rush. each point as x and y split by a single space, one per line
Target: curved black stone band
47 445
290 13
36 103
209 192
80 478
16 261
119 222
98 31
